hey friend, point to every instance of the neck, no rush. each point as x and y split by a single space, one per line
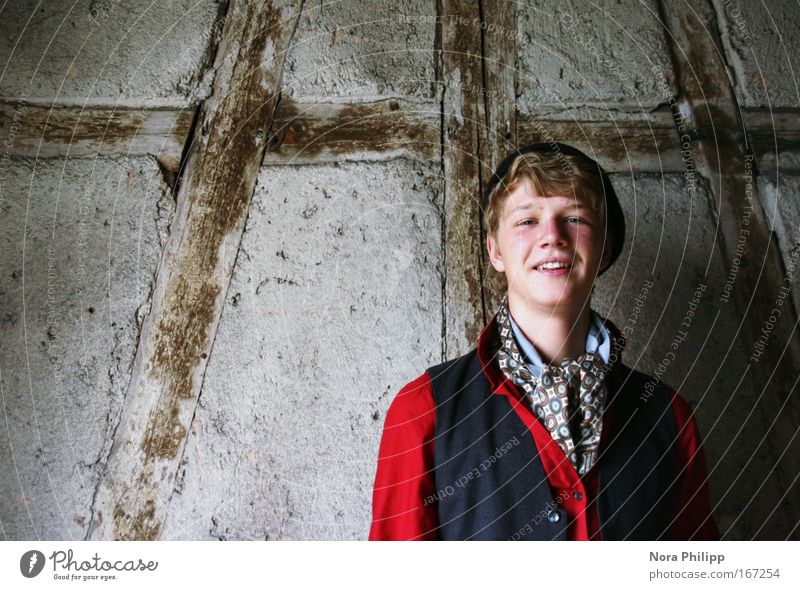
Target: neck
556 334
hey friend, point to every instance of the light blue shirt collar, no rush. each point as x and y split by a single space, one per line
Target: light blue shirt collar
598 340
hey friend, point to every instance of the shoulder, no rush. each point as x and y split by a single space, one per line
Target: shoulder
417 401
454 366
649 388
680 405
454 380
683 412
637 388
412 406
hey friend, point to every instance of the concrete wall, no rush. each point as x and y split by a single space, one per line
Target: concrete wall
363 48
336 296
761 46
575 55
334 305
81 241
107 51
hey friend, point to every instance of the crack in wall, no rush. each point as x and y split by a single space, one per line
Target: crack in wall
439 66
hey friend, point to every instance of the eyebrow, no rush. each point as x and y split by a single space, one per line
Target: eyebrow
532 206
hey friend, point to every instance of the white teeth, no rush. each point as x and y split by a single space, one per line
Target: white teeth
552 265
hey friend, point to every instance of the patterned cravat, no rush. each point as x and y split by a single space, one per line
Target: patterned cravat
568 398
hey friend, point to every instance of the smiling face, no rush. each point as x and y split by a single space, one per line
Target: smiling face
550 249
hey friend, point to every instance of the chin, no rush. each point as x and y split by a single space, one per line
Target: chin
547 297
555 297
554 304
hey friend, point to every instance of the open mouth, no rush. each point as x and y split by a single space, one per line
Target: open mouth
553 266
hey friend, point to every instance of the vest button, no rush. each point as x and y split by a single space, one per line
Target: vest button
553 516
578 496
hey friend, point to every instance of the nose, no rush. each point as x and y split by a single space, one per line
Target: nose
553 233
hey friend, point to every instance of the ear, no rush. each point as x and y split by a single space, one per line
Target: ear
495 256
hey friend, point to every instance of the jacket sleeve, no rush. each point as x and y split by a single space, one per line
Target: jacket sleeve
693 518
403 506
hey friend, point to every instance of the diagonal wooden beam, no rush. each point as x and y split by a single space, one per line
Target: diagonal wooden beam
753 289
176 339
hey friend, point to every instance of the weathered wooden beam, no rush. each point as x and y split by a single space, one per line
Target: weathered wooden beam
176 339
771 133
462 116
756 280
43 132
498 134
623 144
313 133
647 142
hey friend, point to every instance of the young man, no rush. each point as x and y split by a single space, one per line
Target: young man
541 433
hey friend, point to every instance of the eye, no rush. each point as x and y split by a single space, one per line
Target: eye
575 220
527 221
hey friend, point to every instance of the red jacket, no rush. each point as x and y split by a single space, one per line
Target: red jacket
404 481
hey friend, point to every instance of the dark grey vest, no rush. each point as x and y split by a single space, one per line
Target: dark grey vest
490 484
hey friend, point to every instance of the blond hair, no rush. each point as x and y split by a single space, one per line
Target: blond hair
548 174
